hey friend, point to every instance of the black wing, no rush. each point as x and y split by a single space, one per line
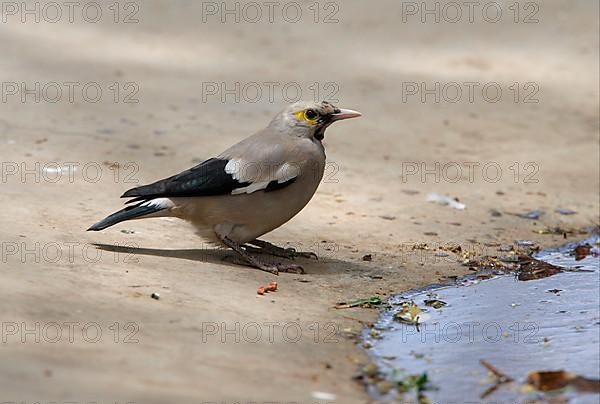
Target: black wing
206 179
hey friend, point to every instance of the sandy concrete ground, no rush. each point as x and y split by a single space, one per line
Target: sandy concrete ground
199 342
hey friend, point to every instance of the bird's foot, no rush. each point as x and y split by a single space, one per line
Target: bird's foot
272 249
247 259
290 268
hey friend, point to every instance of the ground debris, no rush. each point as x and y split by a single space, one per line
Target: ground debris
445 201
530 269
374 333
559 379
533 215
396 384
410 314
507 263
143 286
555 291
369 302
452 248
418 383
560 230
435 303
565 211
509 258
410 192
526 267
271 287
500 378
323 396
582 251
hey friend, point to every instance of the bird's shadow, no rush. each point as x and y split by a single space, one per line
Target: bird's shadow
324 265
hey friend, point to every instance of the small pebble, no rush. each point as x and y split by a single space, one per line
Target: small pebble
534 214
555 291
155 296
565 211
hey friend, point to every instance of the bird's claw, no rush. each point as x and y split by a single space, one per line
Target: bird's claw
290 268
264 247
273 269
307 254
291 253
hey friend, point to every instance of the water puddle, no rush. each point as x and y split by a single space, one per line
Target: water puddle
515 327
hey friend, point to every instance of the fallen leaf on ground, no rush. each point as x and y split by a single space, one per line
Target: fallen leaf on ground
435 303
366 303
530 269
582 251
559 379
409 314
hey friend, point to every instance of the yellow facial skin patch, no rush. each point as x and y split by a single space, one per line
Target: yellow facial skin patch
301 115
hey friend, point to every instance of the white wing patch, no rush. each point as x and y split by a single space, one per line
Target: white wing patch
259 176
233 168
162 203
255 186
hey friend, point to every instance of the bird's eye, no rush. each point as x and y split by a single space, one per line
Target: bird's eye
311 114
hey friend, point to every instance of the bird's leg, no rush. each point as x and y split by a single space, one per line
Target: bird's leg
248 258
290 253
256 263
252 249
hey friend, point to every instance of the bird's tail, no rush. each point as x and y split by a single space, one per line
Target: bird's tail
150 208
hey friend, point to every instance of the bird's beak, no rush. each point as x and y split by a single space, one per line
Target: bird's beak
345 114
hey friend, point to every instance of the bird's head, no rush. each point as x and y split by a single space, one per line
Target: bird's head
310 119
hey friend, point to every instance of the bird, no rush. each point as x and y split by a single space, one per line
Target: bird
250 189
